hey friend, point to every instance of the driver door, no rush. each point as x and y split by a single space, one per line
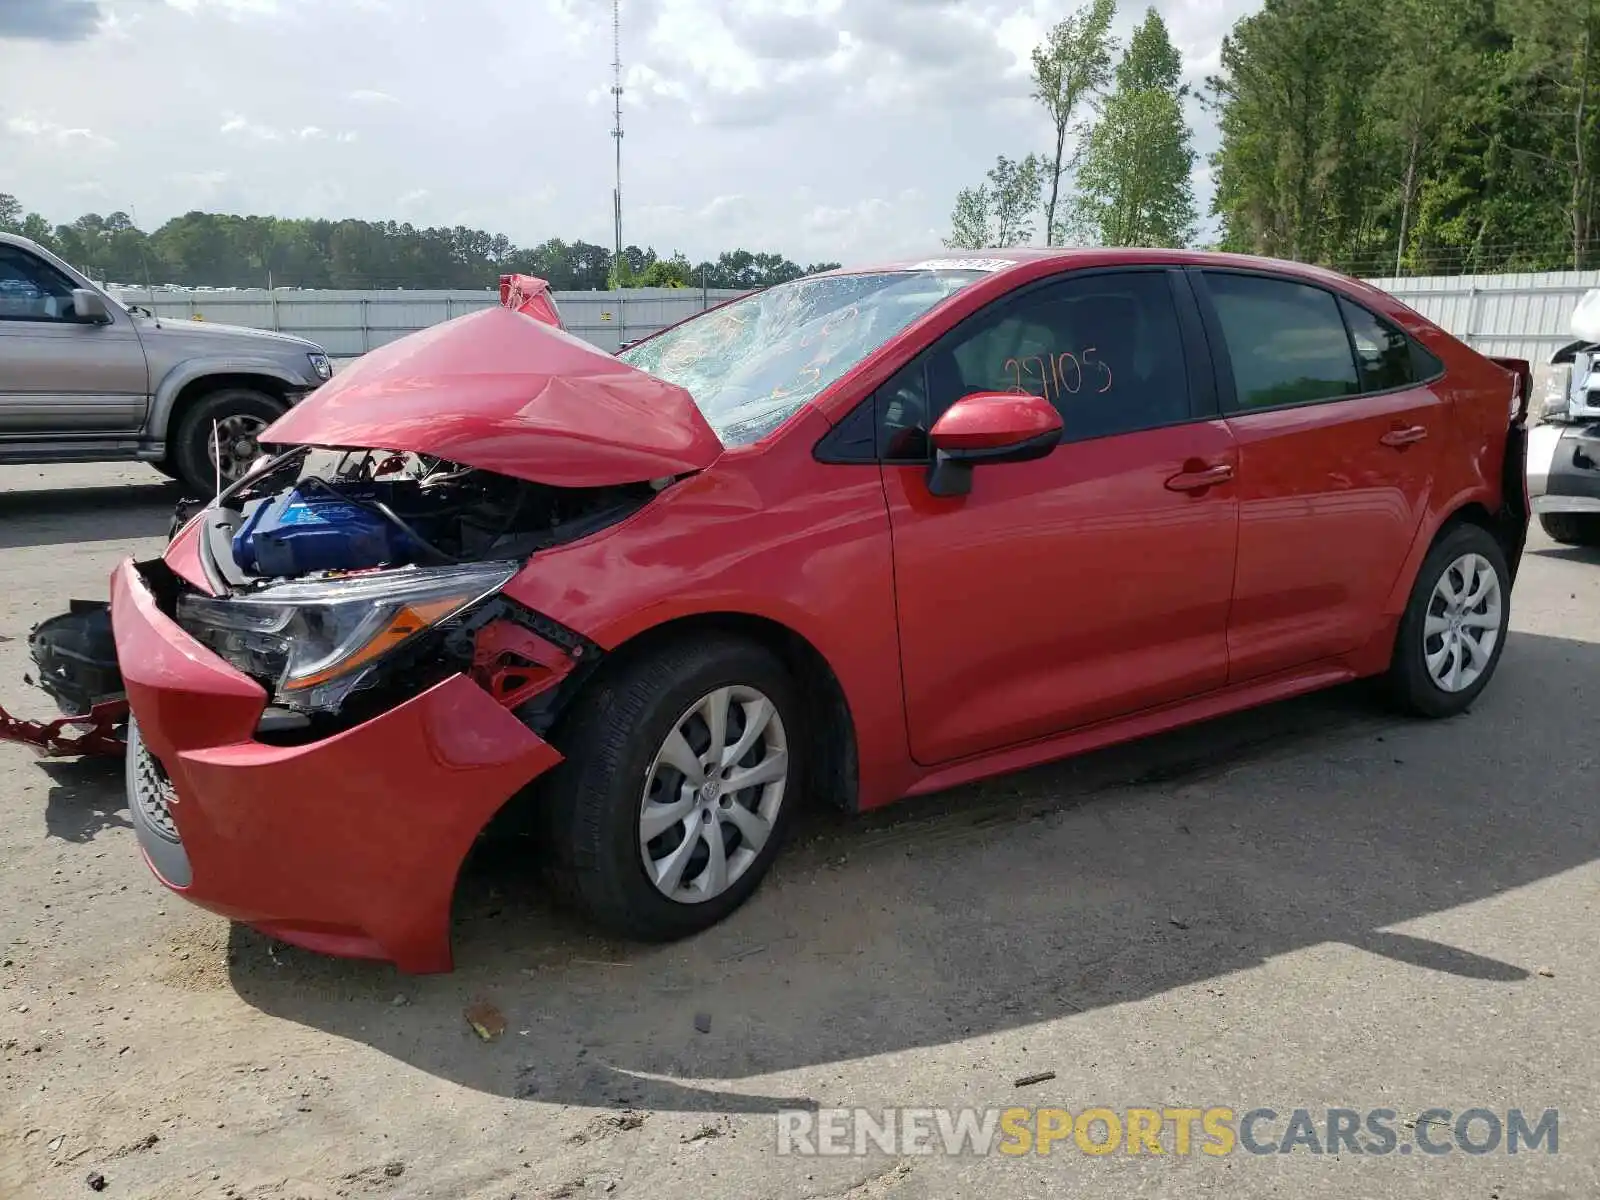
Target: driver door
1085 585
60 376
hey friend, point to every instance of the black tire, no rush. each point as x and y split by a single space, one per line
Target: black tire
189 450
1410 682
166 468
590 806
1572 529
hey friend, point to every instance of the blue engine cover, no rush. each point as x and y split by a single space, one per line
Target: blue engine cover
299 532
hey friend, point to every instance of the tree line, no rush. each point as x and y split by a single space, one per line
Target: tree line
1414 136
221 250
1411 137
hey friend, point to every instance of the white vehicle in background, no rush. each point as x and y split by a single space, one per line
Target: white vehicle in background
1564 448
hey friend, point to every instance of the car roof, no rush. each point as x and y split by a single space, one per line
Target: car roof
1014 257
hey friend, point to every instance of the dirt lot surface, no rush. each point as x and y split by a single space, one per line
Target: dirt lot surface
1315 905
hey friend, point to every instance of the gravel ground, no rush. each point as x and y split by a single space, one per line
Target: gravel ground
1314 905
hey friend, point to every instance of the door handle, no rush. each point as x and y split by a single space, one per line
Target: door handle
1404 437
1199 481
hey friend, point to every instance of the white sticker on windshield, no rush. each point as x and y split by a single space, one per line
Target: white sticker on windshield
963 264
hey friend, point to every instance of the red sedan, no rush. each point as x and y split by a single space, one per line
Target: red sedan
863 535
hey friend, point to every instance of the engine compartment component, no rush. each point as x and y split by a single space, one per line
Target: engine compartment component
310 529
316 511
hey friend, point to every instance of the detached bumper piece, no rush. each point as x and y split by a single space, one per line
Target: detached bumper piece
349 845
77 665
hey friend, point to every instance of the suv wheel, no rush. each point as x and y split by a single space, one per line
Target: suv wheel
235 418
1454 627
1572 529
682 772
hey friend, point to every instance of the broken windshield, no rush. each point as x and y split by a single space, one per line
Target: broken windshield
751 364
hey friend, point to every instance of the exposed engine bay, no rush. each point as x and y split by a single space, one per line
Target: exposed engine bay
323 512
345 580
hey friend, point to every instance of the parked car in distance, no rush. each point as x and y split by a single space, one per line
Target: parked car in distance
85 379
866 534
1564 447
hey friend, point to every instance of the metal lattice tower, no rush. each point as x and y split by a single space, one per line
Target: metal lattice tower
616 132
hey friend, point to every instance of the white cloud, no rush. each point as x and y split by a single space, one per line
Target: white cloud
232 8
310 132
369 96
40 130
235 123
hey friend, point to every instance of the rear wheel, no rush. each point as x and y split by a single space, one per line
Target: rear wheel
1454 627
680 778
222 430
1572 529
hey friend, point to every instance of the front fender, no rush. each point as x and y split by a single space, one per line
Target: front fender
186 372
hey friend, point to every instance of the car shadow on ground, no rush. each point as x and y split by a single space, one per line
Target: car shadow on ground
86 798
1026 899
58 516
1582 554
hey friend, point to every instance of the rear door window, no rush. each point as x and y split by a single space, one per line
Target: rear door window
1286 342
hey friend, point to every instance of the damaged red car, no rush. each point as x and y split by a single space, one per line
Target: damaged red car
865 534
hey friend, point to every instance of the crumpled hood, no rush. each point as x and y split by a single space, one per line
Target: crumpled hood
504 392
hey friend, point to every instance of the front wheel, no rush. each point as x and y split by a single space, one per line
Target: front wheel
680 778
1454 627
219 436
1572 529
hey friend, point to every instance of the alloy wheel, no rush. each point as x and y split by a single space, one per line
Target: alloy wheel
1462 626
712 794
235 444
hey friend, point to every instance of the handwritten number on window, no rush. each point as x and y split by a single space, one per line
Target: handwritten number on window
1057 374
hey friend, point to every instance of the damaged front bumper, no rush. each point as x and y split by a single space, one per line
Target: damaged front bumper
348 845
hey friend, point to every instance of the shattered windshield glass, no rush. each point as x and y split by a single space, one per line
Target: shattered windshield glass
750 364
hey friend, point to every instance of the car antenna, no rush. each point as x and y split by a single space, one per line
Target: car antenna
144 259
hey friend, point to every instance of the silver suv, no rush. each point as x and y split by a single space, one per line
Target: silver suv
85 379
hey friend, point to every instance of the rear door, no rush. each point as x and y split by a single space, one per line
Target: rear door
1085 585
60 376
1339 434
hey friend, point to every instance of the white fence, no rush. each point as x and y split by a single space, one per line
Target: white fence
348 324
1520 316
1524 316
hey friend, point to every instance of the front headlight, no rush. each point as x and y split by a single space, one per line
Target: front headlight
313 643
1557 386
321 365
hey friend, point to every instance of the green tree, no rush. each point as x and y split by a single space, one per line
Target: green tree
1071 67
1556 55
224 250
674 272
999 212
1134 185
1303 171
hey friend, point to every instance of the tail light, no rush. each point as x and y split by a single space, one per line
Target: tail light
1521 389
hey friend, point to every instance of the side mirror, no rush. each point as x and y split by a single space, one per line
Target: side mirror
90 306
989 427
